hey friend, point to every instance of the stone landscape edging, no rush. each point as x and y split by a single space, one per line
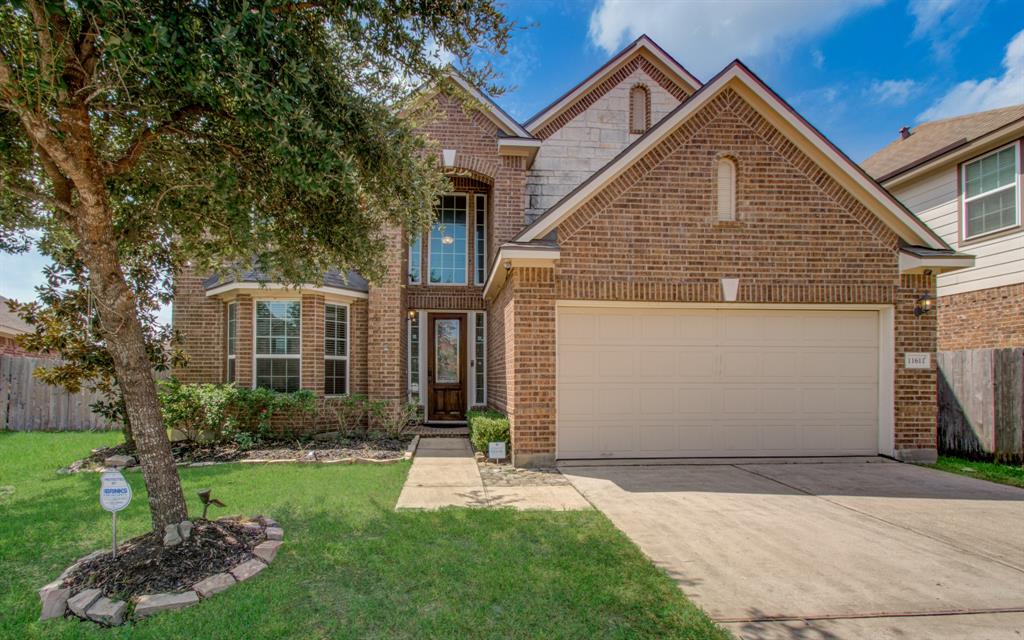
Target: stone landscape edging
92 605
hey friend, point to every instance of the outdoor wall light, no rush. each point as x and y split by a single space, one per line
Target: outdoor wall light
924 304
412 314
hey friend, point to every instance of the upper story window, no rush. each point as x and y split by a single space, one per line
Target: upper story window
278 356
726 189
639 109
232 339
447 259
335 349
990 192
415 258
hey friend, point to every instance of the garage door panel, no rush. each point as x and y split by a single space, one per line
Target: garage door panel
636 382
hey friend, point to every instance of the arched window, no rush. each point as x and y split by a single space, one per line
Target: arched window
726 189
639 109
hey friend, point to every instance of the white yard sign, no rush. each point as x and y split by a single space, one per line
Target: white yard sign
496 450
917 360
115 492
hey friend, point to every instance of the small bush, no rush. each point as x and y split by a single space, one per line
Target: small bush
350 412
200 411
391 417
254 408
487 426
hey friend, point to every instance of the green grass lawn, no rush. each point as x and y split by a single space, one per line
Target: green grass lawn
1010 474
351 566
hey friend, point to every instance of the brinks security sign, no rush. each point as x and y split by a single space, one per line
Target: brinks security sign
115 492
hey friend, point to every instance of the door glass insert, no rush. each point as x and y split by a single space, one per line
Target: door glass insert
446 351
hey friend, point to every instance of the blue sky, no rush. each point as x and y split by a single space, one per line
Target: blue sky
856 69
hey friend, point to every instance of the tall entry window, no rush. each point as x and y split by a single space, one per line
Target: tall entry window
447 257
277 345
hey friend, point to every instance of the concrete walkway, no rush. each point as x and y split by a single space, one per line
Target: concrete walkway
444 473
836 550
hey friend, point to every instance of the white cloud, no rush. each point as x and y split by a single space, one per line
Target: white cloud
944 22
894 92
705 36
991 93
817 59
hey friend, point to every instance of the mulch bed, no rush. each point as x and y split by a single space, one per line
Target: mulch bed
298 450
144 566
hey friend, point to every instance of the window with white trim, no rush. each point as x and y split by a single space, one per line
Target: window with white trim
414 358
278 349
990 192
232 339
480 356
415 257
480 240
335 349
726 189
448 260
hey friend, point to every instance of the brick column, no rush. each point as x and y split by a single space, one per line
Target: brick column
531 406
313 343
385 342
916 392
244 345
201 323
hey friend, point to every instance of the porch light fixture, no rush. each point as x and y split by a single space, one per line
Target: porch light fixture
924 304
412 314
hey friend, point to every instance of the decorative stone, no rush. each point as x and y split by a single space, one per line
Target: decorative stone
80 602
119 461
247 569
108 612
268 522
148 605
252 527
311 455
54 599
171 535
267 550
275 533
214 584
185 529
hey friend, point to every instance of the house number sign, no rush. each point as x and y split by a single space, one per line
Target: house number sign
917 360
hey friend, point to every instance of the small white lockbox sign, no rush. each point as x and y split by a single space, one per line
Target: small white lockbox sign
496 450
917 360
115 492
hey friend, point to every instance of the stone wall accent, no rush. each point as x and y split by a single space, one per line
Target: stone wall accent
597 131
984 319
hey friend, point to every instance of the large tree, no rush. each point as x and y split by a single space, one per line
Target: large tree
140 135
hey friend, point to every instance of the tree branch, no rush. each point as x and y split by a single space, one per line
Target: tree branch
135 150
42 25
35 196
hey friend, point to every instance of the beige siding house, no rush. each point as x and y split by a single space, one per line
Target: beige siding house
962 177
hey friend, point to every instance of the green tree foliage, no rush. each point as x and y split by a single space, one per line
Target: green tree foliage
137 136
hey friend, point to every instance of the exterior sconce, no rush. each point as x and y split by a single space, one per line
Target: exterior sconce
508 265
412 314
924 304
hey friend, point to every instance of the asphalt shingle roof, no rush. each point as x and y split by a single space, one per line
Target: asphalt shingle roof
334 279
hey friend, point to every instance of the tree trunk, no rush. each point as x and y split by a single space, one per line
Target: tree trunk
129 439
119 324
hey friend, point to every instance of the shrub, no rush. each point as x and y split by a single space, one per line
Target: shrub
199 411
487 426
254 408
349 412
391 417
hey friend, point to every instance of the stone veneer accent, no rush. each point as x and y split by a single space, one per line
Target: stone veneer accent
984 319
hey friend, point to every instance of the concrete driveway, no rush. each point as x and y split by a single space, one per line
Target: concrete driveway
826 549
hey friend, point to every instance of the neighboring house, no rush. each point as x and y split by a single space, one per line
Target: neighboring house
11 326
649 267
962 176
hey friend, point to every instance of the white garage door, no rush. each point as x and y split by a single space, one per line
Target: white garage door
644 382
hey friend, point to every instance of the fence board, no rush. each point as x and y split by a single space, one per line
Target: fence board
981 403
29 404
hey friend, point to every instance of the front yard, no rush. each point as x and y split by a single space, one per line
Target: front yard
1011 474
351 567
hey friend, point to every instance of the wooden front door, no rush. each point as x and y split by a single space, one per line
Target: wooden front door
446 367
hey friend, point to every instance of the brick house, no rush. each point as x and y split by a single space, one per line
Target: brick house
649 267
962 176
12 326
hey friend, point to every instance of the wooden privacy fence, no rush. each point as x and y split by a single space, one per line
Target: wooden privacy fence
981 403
29 404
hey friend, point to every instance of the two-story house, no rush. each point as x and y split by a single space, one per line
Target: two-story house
651 266
962 177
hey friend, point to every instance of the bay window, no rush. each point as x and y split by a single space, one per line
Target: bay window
278 350
232 339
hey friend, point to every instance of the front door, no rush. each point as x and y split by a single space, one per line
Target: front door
446 367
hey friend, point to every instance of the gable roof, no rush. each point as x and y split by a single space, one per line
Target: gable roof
904 223
935 139
642 45
505 123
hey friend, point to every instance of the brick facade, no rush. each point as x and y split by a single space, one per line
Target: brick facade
651 235
985 319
